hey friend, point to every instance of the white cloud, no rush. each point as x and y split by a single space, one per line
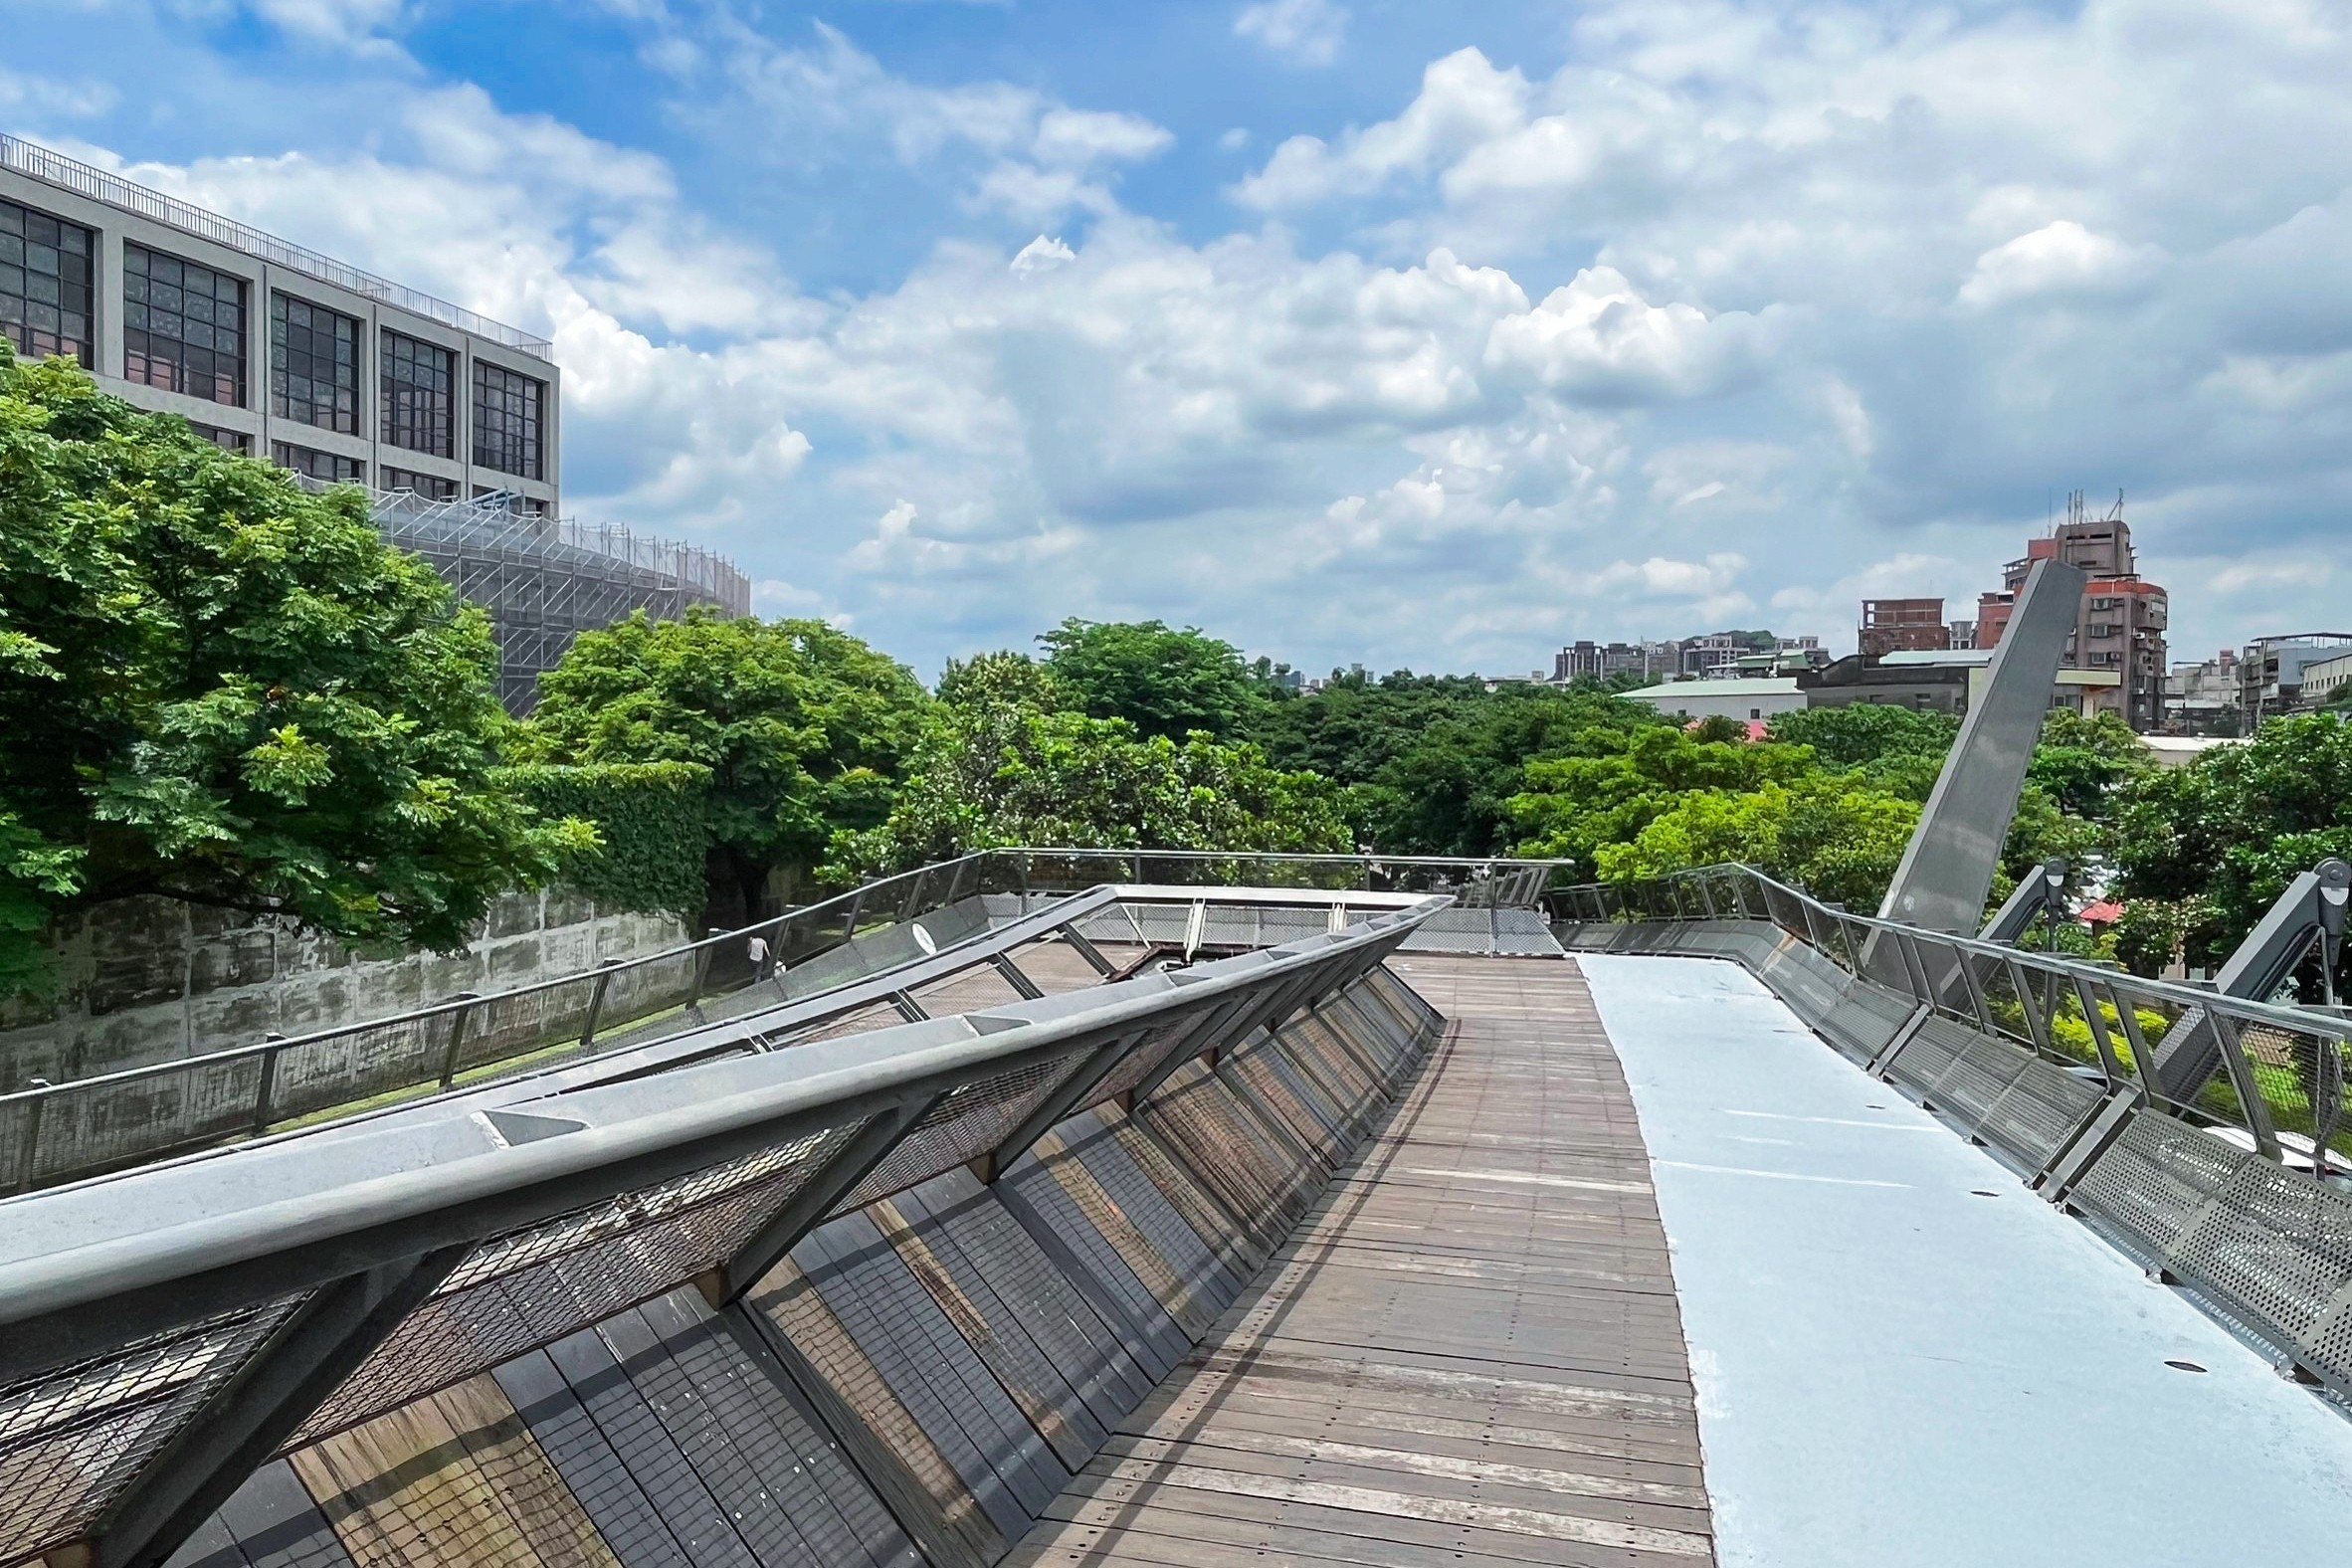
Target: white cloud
1730 304
1304 32
2061 259
1597 338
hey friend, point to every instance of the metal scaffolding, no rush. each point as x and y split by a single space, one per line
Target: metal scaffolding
546 580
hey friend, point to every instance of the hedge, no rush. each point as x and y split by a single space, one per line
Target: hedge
652 818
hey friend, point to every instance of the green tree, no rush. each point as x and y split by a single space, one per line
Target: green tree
1838 838
2232 829
2082 762
1002 765
220 688
1859 733
803 727
1162 681
1574 806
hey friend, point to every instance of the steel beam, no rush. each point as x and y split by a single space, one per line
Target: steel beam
866 1149
282 1382
1947 869
1060 1103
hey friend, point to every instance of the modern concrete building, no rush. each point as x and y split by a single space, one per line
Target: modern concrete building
269 349
2275 673
453 421
1603 660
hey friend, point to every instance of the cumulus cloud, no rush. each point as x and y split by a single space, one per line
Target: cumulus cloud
2061 259
1726 310
1305 32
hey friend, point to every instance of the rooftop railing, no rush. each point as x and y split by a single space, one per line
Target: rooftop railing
98 185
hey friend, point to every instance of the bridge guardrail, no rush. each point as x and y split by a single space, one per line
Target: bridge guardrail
165 1330
64 1130
2235 1180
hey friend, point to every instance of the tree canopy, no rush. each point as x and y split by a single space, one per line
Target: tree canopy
2204 849
1163 681
1006 760
804 729
221 688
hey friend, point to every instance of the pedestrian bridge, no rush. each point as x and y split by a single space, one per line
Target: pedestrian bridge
1246 1223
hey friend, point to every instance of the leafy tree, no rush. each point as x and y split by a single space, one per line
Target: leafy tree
1824 832
804 729
2080 762
1859 733
1161 681
1001 766
222 690
1449 791
2231 830
1574 806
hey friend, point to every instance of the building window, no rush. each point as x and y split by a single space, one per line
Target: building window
510 420
313 364
430 486
183 326
227 440
419 395
44 283
317 465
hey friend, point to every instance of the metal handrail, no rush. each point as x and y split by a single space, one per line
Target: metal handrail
55 168
2298 1074
300 1288
245 1089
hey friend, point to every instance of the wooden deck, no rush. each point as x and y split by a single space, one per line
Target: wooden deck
1470 1354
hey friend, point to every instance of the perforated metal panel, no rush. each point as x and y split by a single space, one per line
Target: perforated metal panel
973 1121
536 1285
70 1439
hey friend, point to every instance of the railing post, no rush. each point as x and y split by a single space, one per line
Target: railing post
603 980
2250 1089
29 1165
264 1088
702 956
457 1036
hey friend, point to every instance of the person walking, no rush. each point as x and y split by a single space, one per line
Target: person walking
763 960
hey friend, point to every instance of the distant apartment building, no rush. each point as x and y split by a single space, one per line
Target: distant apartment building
2121 624
272 350
1600 660
2275 673
1715 655
1892 625
1963 636
2206 696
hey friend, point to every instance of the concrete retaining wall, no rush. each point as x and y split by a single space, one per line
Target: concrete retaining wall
151 979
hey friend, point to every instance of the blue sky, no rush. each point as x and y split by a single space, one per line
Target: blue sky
1353 330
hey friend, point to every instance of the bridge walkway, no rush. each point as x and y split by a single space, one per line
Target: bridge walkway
1470 1353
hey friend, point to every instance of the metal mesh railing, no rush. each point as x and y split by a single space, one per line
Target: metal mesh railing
90 1126
530 1220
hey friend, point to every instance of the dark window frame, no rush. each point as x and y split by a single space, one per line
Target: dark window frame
431 487
309 459
416 394
177 314
43 255
314 363
510 420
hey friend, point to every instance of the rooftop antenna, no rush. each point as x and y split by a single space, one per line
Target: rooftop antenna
2117 514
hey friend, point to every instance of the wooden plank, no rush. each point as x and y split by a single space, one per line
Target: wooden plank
404 1491
1469 1351
277 1524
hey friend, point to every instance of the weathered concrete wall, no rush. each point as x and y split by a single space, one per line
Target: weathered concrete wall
150 980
